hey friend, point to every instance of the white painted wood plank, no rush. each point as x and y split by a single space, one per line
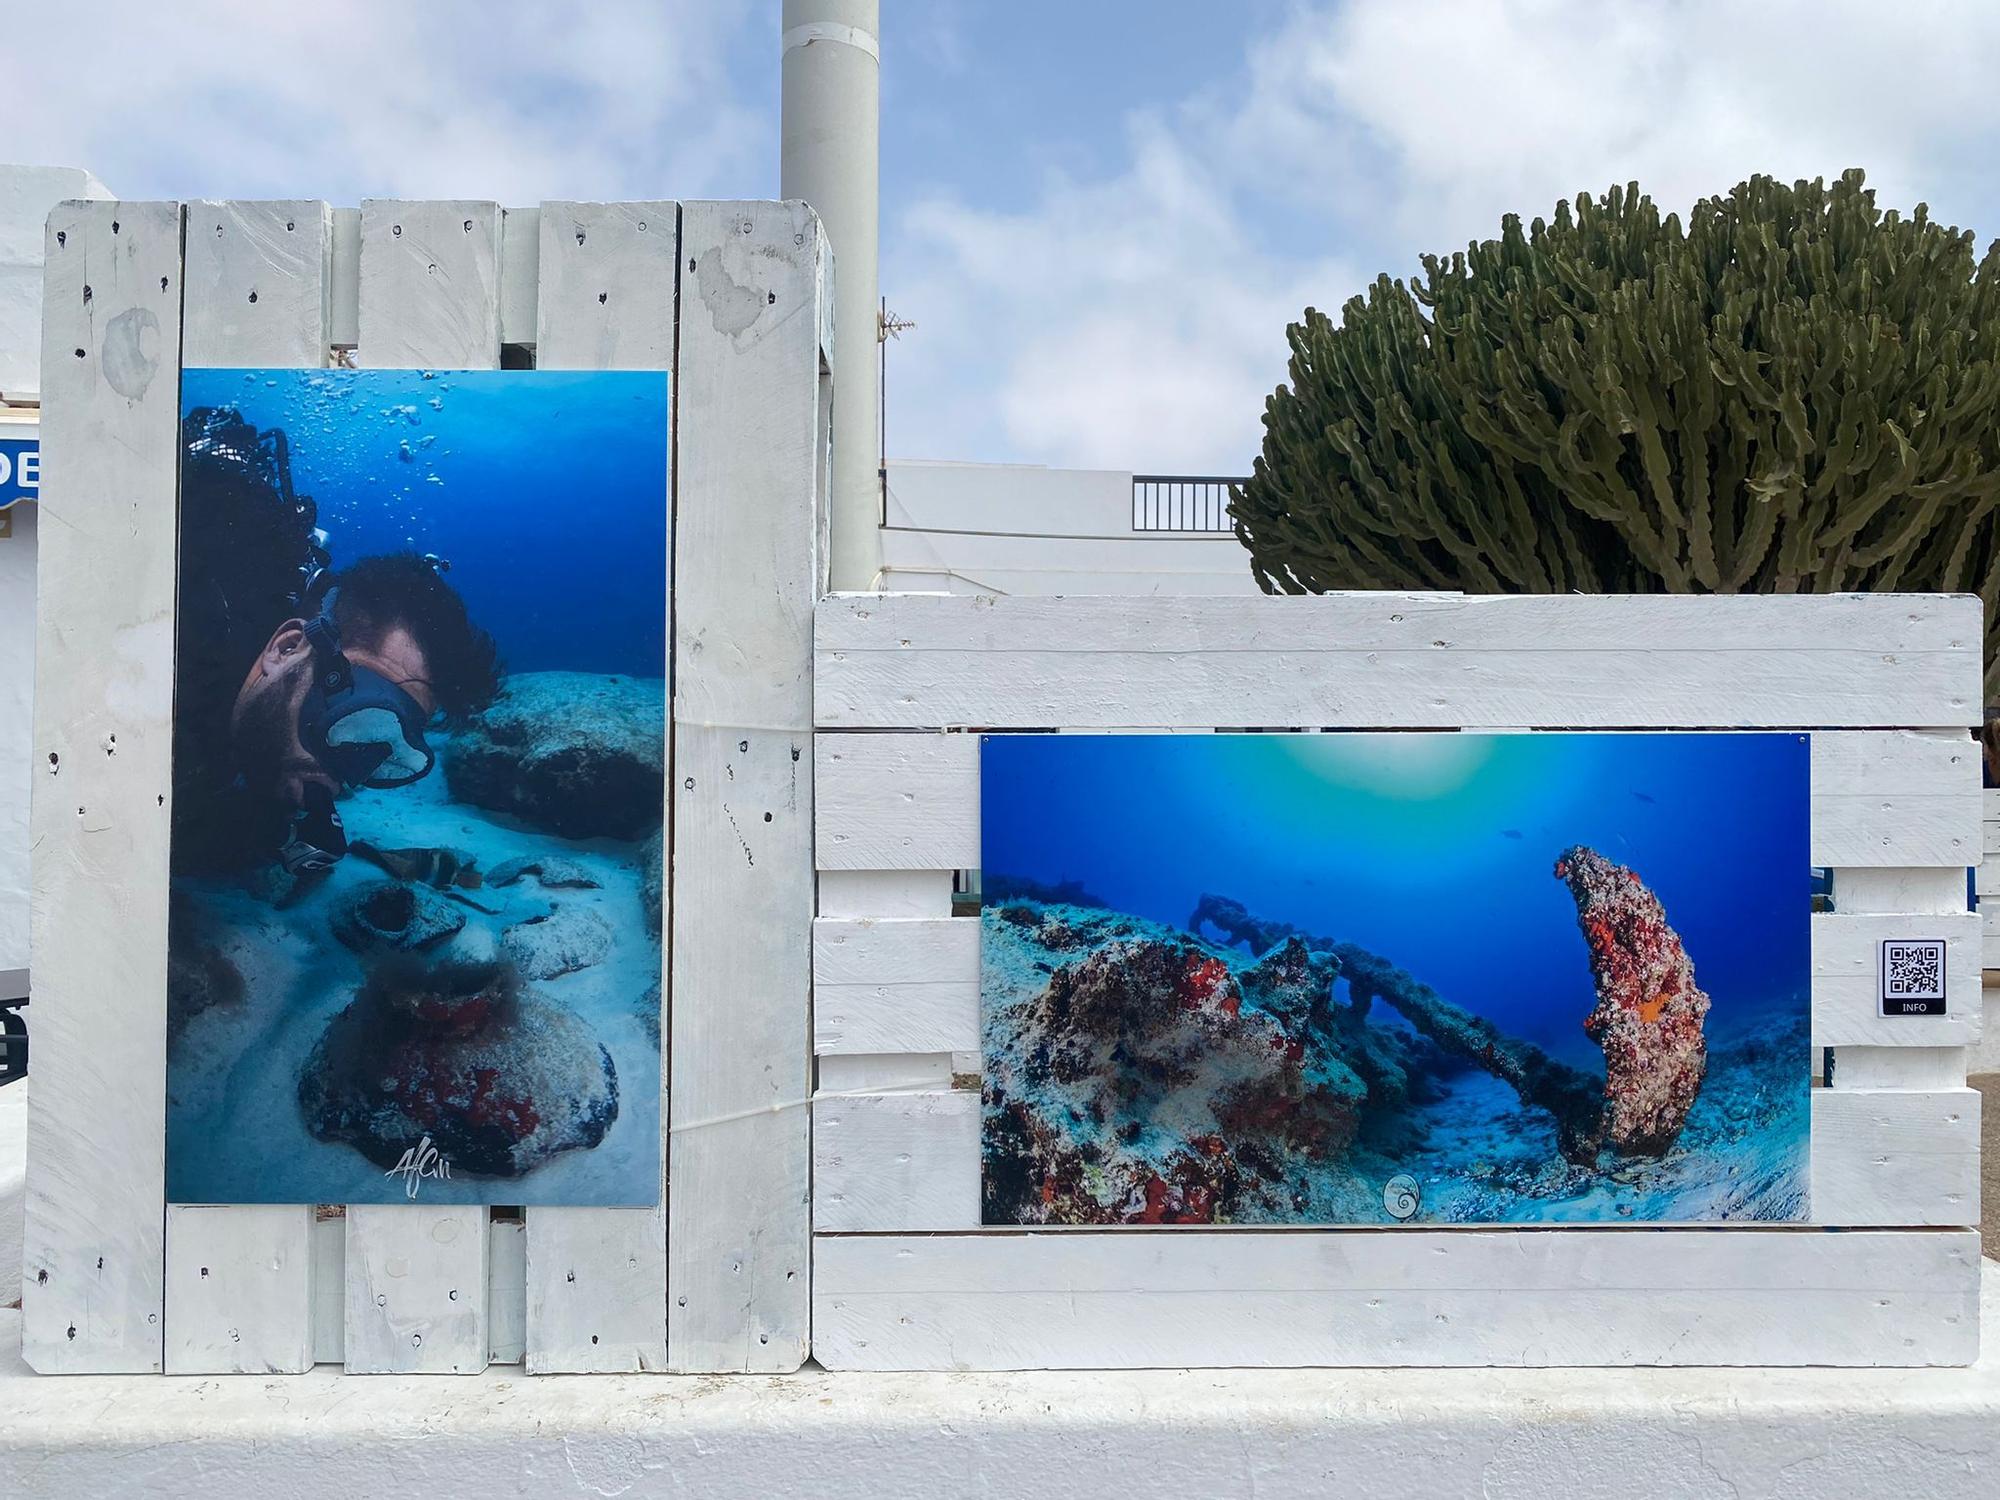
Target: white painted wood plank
887 1072
93 1280
749 518
1879 799
1364 620
1895 799
597 1277
239 1290
1895 1157
520 275
329 1286
896 1162
607 286
912 985
421 1274
1136 1299
885 893
1898 1068
921 661
258 296
740 1129
896 985
430 285
897 801
416 1275
507 1291
346 324
1846 979
1939 889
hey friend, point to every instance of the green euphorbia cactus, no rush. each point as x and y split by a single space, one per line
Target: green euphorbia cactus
1795 392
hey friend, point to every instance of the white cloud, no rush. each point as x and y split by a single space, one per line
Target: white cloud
509 99
1137 320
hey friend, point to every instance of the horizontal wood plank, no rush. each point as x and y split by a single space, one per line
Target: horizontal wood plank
1880 799
912 984
1895 1157
1846 980
895 985
1142 1299
902 1161
896 1161
918 661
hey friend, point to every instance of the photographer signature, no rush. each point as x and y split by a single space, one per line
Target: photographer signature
418 1162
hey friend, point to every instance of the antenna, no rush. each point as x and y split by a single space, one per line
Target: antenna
887 326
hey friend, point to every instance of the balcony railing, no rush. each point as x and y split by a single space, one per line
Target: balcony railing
1181 502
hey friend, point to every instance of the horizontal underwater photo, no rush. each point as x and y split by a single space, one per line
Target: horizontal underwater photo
419 788
1377 978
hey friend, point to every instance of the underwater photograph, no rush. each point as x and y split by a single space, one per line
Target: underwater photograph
1395 978
418 787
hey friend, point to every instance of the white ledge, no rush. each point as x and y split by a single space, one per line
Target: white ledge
1504 1433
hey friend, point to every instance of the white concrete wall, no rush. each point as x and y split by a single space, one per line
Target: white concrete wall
26 196
1024 529
13 1183
17 694
1383 1434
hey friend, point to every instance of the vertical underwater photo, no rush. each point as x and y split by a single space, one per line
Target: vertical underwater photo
414 945
1395 978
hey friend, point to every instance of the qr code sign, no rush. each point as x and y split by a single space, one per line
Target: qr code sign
1913 977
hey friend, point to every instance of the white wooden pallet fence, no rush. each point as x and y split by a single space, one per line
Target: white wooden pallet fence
714 1279
905 1277
1987 882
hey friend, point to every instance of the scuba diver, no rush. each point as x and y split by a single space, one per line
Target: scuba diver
294 681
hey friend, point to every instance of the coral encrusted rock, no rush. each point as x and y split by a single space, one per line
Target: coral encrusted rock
498 1078
385 915
580 754
1174 1097
551 871
567 939
1649 1012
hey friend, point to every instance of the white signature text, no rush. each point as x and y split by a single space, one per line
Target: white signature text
418 1162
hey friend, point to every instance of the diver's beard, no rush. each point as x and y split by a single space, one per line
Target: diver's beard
261 741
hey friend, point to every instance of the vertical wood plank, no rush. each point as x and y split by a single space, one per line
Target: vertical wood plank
93 1264
749 465
239 1279
416 1290
416 1276
596 1277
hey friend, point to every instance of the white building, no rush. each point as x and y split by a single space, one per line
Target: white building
964 528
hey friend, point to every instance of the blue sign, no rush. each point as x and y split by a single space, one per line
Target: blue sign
20 470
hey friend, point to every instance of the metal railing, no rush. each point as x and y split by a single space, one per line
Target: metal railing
1181 502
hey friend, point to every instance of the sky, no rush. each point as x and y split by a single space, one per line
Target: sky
1100 215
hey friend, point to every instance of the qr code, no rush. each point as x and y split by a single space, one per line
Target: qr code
1913 969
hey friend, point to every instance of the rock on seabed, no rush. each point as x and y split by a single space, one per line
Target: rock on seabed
580 754
1649 1014
498 1077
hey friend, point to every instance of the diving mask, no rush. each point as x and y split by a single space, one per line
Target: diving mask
363 728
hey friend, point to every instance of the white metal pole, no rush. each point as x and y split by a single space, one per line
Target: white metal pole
832 159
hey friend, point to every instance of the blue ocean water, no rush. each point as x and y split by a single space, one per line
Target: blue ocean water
541 487
1437 851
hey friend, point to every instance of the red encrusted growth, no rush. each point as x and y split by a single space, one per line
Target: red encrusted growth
1649 1010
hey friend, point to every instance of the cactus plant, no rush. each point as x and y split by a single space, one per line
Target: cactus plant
1795 392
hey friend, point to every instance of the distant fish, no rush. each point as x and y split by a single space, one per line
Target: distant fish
1642 797
1510 833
